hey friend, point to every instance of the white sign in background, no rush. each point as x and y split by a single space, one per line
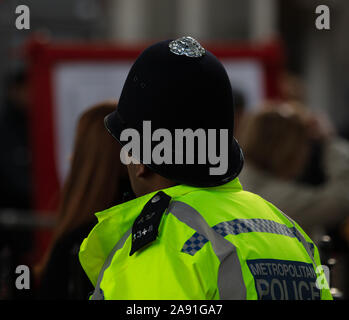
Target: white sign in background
78 86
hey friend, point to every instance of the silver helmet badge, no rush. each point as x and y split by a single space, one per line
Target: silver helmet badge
187 46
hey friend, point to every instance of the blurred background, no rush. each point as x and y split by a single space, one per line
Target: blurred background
281 66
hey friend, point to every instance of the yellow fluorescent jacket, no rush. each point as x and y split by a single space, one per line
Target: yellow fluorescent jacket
213 243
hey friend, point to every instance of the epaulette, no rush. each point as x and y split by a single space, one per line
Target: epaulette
145 228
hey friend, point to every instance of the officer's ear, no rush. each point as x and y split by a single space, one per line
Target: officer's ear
142 171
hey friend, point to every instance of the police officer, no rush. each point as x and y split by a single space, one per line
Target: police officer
192 233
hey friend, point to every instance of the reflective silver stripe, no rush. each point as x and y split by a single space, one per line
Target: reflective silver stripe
230 284
98 292
309 247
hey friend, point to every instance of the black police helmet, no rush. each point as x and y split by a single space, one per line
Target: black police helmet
179 85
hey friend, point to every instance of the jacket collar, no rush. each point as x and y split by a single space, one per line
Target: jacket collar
173 192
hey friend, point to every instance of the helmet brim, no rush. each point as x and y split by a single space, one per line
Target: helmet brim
193 175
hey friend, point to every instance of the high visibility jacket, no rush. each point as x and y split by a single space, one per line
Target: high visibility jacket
212 243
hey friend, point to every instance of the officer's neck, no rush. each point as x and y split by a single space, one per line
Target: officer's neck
153 184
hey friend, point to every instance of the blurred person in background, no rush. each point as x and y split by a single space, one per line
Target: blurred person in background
15 180
96 181
292 89
277 145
